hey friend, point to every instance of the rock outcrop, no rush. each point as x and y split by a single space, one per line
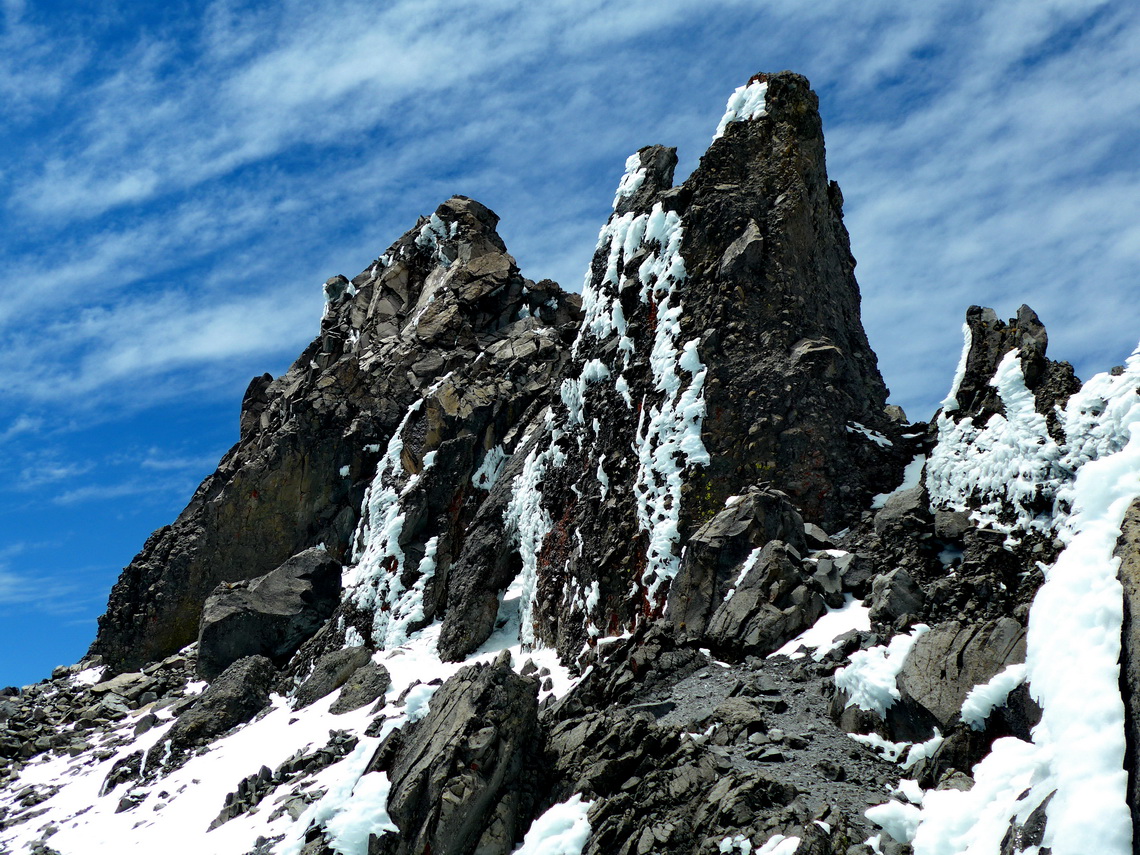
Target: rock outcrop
529 561
463 778
269 616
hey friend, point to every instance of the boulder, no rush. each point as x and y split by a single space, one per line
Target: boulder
717 551
463 777
237 695
904 509
951 659
130 686
367 683
951 525
770 606
269 616
330 672
895 594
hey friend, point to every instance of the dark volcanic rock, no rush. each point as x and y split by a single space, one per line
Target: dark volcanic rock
330 672
715 554
728 304
463 778
1128 550
268 616
445 310
236 696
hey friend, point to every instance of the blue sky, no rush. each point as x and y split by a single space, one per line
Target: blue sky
177 180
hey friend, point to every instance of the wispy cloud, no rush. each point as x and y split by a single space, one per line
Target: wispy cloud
21 424
32 477
218 171
104 492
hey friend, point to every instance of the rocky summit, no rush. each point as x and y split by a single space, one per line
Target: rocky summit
495 568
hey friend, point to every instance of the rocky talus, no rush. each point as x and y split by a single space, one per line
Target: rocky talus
653 570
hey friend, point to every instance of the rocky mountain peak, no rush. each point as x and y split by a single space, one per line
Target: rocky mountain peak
445 307
988 341
649 570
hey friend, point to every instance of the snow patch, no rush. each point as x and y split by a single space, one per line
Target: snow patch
912 476
745 103
819 638
632 180
562 830
869 680
985 698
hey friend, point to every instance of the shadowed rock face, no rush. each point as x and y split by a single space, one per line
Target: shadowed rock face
269 616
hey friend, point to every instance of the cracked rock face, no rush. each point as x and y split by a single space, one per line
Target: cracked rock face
463 777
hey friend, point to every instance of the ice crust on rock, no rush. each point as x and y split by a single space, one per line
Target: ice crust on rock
1072 663
528 523
1012 462
373 583
950 402
745 103
632 180
668 435
985 698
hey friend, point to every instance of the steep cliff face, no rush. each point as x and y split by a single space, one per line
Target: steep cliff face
721 347
444 309
648 571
